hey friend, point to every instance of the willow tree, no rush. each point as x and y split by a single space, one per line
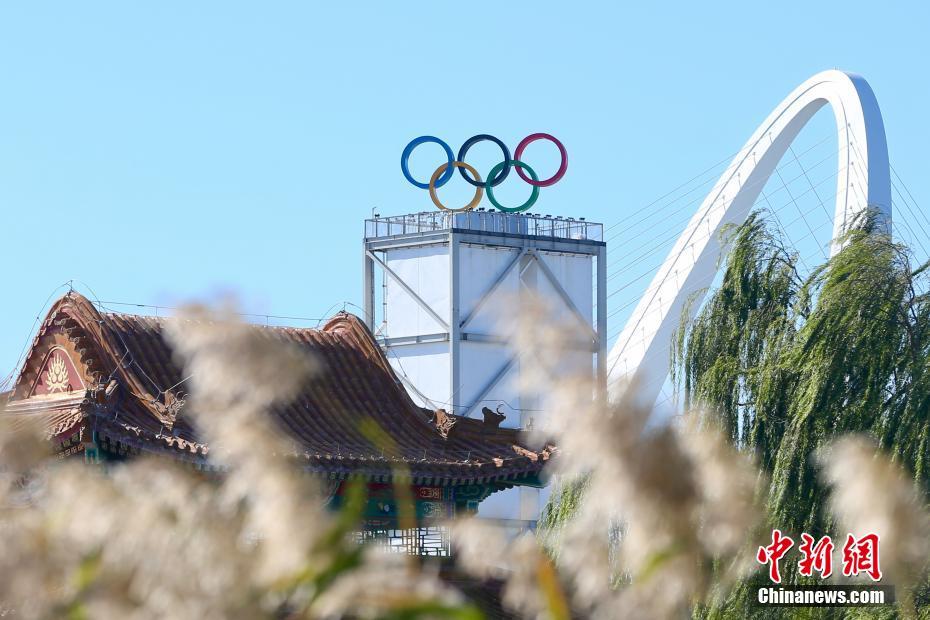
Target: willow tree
788 362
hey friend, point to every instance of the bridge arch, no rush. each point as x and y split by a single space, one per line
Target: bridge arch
641 352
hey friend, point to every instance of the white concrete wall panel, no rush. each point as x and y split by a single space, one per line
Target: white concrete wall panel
480 267
426 366
575 275
504 504
426 271
481 362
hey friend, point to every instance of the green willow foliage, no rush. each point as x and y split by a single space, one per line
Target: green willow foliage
566 496
788 363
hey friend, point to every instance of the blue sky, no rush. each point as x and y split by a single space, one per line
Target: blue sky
169 151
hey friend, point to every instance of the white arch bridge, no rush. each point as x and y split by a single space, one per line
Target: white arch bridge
641 352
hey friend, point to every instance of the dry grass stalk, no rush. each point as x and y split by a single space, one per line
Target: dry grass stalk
150 539
679 494
871 494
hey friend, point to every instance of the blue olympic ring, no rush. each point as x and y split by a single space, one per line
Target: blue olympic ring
442 180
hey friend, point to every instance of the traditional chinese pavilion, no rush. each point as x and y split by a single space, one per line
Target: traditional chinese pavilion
107 387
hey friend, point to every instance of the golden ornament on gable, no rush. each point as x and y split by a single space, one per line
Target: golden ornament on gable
56 377
58 374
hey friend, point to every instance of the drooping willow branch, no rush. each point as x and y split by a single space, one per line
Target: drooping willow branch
787 363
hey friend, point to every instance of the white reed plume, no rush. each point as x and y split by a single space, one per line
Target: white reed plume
871 494
667 488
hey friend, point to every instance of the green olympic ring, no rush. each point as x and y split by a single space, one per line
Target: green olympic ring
490 189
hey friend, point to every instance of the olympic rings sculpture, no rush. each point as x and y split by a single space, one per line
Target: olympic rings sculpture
497 175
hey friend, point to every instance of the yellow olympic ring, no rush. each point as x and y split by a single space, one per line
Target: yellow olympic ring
479 191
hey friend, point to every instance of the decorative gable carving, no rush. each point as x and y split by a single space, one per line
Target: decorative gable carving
58 375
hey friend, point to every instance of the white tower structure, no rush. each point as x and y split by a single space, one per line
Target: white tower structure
449 282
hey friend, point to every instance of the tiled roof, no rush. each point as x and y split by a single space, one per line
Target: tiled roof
135 400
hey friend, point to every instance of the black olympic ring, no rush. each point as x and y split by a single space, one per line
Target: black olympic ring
500 175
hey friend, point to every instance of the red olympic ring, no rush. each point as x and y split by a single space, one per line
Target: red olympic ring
562 168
